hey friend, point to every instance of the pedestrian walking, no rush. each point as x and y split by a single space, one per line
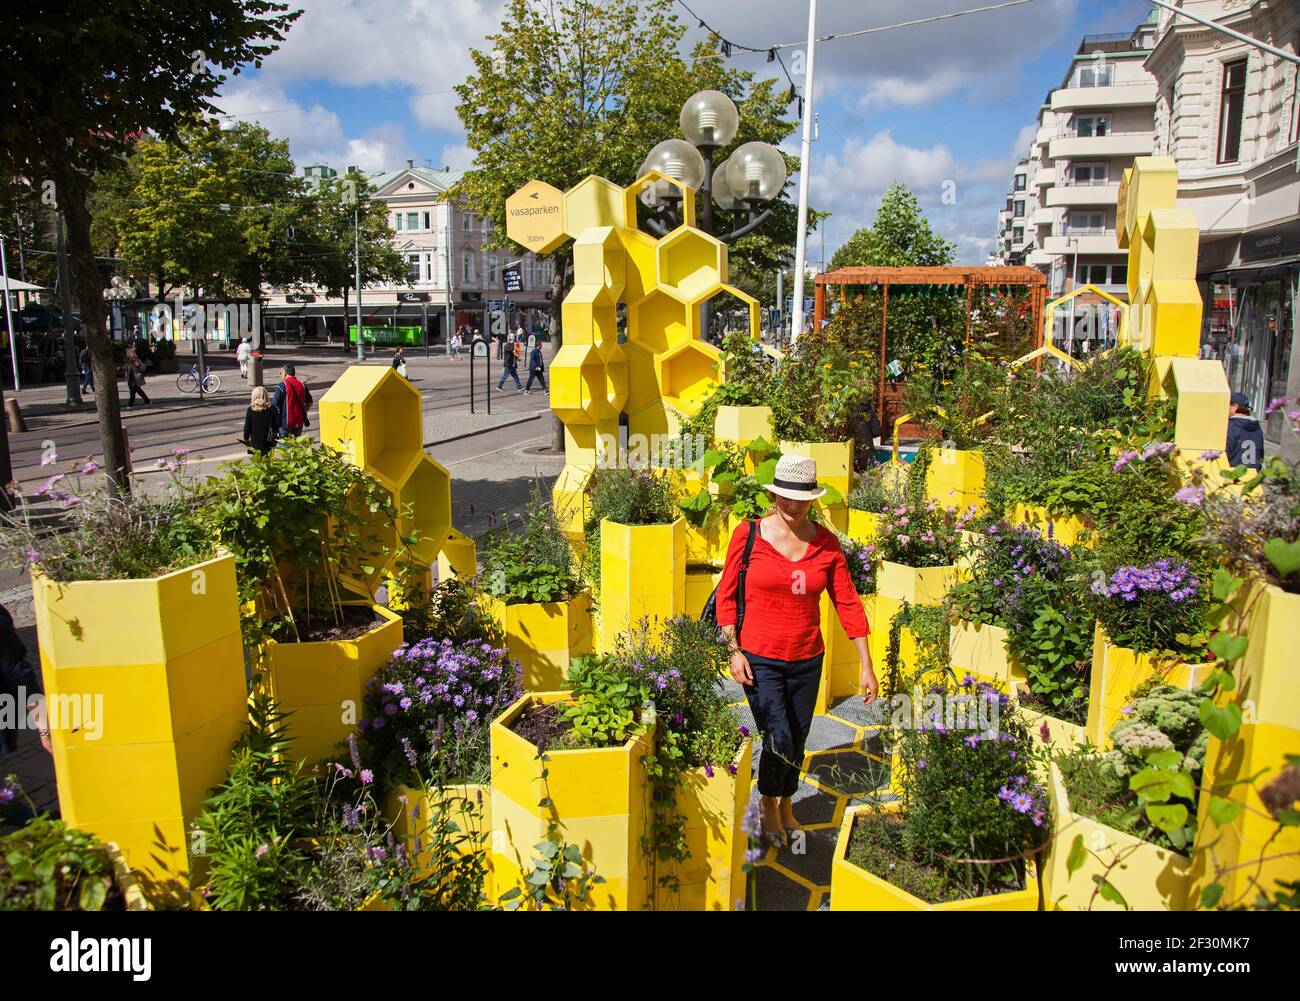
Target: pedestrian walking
399 361
774 631
87 372
242 355
456 344
511 371
261 422
536 369
292 400
135 378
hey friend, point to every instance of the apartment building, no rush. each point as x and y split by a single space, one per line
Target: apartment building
1060 213
1229 114
451 271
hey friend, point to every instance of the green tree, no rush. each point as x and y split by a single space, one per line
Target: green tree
899 237
86 78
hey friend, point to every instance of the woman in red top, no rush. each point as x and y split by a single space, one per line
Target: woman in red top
778 656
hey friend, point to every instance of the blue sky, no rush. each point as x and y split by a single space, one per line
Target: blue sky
368 82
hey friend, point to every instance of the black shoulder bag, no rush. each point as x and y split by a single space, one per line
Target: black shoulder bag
710 610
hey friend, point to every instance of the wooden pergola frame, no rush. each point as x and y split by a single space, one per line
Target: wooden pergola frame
969 278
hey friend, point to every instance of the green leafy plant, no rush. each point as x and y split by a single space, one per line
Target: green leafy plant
46 865
958 410
532 564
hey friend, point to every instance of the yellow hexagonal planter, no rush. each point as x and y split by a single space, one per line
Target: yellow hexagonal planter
469 808
840 666
834 461
1148 877
642 576
1061 734
424 507
713 808
372 415
323 683
144 685
691 264
855 889
688 374
743 424
955 478
1117 670
597 796
864 526
896 584
1068 529
593 202
545 637
1268 674
659 322
981 649
458 556
701 579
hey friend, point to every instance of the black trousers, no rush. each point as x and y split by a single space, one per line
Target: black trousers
782 699
537 374
135 390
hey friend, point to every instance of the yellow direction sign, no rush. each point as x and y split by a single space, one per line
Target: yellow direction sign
535 217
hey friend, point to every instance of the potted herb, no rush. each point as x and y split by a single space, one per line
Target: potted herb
308 530
967 827
136 604
1111 852
636 550
534 594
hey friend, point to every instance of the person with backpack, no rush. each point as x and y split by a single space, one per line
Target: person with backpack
292 400
1245 439
768 605
536 369
510 371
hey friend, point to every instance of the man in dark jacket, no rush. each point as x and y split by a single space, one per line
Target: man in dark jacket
1245 436
536 369
511 371
292 399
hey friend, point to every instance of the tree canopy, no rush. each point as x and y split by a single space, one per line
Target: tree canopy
899 237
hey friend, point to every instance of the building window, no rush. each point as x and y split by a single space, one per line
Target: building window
397 221
1018 235
427 220
1295 104
1020 208
1232 103
414 261
1090 173
1119 274
1020 182
412 220
492 271
1092 125
467 269
1101 74
467 221
1085 223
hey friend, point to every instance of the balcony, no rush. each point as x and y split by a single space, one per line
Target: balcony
1045 215
1045 176
1038 259
1118 95
1089 241
1083 194
1071 147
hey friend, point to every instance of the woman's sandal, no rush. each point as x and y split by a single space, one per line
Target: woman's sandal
776 839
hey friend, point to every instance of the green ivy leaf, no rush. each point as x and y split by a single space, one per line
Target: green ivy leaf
1211 895
1108 892
1285 556
1222 721
1224 811
1225 584
1228 647
1078 855
1167 817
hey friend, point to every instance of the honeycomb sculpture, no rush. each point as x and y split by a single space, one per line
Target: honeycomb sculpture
373 416
663 371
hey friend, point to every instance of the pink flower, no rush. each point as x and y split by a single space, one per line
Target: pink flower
261 850
903 540
1192 496
89 468
367 776
1210 456
1274 405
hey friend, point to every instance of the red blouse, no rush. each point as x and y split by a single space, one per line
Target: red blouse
783 597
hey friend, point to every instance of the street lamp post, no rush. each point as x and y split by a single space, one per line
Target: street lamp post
356 257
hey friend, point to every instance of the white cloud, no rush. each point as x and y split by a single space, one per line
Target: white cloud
458 157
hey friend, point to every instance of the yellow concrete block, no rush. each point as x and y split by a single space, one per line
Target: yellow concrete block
545 638
700 582
633 192
743 424
593 202
1151 183
914 585
1202 391
864 526
688 374
714 812
1175 241
841 667
955 478
424 507
1149 878
1254 835
535 217
659 322
597 796
599 259
834 461
1117 671
458 557
614 364
855 889
640 250
642 574
577 384
980 649
373 416
691 264
1267 676
323 683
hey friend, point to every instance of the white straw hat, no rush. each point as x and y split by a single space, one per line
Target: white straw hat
796 478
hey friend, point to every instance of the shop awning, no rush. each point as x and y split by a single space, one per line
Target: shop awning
1256 272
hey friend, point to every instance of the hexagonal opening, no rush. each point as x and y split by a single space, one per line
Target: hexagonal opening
577 381
688 374
691 264
377 411
378 530
658 322
658 222
615 370
727 311
593 201
427 492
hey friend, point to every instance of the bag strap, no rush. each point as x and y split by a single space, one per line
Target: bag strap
741 575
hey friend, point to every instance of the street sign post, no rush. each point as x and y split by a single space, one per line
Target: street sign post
479 349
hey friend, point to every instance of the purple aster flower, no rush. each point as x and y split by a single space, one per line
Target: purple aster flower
1123 460
1193 496
1209 456
921 765
708 770
744 730
972 741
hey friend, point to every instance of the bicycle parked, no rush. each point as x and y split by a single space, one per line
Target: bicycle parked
188 382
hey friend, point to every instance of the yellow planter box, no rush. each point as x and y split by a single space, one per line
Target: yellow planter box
722 541
642 576
864 526
1117 670
703 543
855 889
834 461
841 667
896 584
1067 529
1268 674
545 638
144 684
1149 878
126 881
700 582
597 796
323 683
1061 735
981 649
743 424
458 557
833 516
470 809
714 810
955 478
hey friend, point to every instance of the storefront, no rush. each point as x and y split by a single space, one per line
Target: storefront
1250 316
